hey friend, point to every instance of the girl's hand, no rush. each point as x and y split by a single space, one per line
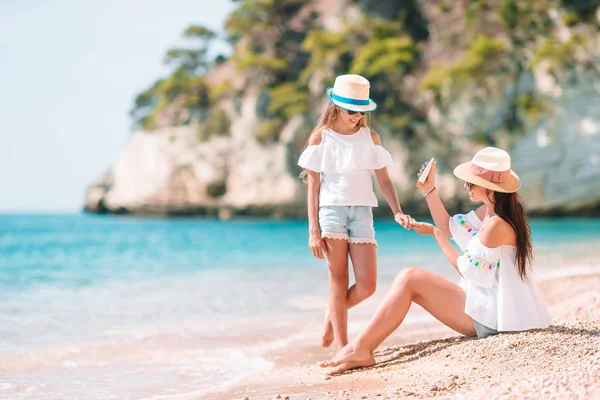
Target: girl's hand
317 245
430 181
404 219
423 228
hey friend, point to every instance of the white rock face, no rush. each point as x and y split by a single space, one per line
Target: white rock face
559 161
171 171
143 168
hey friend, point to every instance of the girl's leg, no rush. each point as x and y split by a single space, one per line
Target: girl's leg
364 263
337 264
440 297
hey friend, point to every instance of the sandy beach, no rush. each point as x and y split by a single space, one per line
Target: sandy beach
160 317
428 360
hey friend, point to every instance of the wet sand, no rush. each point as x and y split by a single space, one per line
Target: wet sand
427 359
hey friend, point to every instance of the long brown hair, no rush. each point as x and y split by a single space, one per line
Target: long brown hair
326 121
508 206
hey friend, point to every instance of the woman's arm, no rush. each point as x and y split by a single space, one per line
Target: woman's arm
438 213
434 202
387 188
449 251
423 228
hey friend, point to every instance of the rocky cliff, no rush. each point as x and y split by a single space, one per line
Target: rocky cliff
246 163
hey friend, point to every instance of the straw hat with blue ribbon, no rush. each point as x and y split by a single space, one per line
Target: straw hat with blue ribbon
351 92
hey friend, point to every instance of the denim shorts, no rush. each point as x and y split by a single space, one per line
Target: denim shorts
483 331
351 223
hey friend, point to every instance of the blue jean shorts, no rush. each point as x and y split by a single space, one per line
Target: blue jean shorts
483 331
351 223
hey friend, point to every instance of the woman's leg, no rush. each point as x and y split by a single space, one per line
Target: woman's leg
364 263
440 297
337 264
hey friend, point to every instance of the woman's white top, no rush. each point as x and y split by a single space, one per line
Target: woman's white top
345 163
497 297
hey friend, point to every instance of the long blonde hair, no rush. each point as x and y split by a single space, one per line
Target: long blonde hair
326 121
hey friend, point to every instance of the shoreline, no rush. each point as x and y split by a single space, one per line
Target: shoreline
425 359
262 355
291 210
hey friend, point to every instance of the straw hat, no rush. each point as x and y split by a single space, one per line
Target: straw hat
351 92
490 168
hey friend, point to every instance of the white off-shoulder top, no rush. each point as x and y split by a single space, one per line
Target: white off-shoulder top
497 297
345 163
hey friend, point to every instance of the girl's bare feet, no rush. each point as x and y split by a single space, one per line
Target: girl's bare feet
327 338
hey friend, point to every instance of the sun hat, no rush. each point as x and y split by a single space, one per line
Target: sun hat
351 92
490 168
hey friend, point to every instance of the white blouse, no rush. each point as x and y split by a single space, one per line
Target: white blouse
345 163
497 297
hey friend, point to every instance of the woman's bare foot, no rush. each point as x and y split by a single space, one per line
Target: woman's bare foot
352 365
352 355
327 338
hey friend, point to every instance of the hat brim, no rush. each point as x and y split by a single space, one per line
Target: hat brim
351 107
509 186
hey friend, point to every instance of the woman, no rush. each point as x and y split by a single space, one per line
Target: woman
496 293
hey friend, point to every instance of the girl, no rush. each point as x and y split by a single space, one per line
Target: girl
338 160
497 292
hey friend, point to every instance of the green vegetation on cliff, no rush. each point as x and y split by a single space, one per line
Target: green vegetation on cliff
487 51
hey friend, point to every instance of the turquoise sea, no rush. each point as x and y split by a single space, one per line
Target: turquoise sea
113 307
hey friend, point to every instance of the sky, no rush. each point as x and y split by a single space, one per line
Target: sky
69 73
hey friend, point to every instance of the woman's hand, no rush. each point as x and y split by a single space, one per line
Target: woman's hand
429 183
317 245
404 219
423 228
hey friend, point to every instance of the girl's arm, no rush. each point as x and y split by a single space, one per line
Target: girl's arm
436 207
315 242
387 188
